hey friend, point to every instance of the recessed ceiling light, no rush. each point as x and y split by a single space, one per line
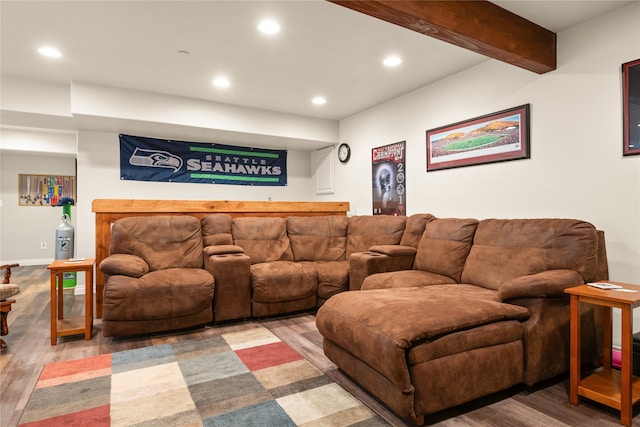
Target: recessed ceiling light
319 100
221 82
269 26
392 61
51 52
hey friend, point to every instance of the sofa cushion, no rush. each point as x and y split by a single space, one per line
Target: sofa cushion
414 229
333 277
404 278
504 249
161 241
370 230
320 238
280 281
163 294
216 230
444 246
263 239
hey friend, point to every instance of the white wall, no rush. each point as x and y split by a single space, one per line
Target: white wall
29 140
89 101
99 178
30 126
24 228
576 168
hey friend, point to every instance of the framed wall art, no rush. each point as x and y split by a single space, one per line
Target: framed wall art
631 107
388 178
495 137
44 190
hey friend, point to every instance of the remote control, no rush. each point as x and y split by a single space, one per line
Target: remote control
600 285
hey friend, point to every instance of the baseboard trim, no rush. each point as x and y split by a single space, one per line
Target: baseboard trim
29 262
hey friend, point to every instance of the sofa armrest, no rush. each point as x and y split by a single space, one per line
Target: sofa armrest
125 265
551 283
232 275
394 250
379 259
222 249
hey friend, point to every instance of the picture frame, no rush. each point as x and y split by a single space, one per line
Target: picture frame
631 108
44 190
495 137
388 179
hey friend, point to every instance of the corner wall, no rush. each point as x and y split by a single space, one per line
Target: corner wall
576 168
24 228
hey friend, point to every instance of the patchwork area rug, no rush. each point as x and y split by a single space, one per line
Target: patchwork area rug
247 378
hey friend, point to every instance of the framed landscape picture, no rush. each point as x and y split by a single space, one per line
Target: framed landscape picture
631 107
495 137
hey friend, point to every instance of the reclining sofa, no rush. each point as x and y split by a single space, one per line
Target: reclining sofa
172 272
425 313
477 308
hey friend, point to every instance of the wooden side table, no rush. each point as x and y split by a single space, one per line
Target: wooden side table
618 389
74 325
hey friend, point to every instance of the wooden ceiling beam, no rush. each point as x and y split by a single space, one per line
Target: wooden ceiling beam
478 25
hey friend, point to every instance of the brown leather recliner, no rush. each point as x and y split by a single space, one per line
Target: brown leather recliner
155 278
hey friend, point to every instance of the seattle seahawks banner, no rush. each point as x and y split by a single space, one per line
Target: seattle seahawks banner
151 159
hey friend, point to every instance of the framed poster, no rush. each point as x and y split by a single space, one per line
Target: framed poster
631 107
44 190
495 137
389 179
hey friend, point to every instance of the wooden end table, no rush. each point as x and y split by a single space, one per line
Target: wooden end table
618 389
73 325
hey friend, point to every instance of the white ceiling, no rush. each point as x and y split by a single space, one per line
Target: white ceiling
323 49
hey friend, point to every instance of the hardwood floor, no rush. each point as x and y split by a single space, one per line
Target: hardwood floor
29 350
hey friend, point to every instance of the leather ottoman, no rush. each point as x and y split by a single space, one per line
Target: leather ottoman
420 350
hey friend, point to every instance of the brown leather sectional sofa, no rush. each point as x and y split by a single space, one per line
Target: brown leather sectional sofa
161 270
441 310
477 308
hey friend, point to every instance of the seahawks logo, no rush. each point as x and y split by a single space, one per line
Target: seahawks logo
155 159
